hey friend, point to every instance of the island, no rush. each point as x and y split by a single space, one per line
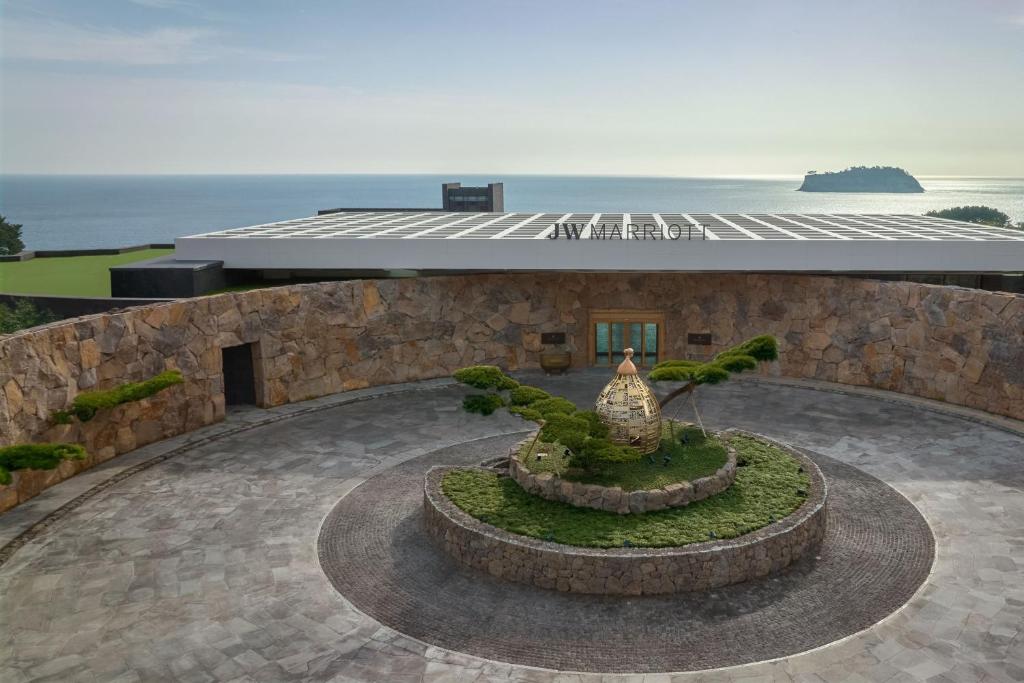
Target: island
862 179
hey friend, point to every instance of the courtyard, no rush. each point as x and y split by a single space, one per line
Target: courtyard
281 544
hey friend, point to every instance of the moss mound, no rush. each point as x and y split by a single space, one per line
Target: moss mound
770 485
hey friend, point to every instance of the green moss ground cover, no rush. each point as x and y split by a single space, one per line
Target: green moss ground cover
696 457
68 276
769 486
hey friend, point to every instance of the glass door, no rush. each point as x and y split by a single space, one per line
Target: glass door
613 332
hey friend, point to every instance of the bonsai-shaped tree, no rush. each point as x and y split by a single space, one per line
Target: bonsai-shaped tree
580 432
737 359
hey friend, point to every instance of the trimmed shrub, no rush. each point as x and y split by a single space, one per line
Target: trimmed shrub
739 358
598 429
37 456
595 453
762 348
86 404
568 430
524 395
710 374
677 364
483 404
485 377
736 362
526 412
5 477
586 437
556 405
672 373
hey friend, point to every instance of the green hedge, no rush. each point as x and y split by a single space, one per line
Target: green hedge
36 456
86 404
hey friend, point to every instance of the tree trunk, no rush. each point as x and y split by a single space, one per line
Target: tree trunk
686 389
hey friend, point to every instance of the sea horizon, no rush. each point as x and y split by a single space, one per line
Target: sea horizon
82 211
710 176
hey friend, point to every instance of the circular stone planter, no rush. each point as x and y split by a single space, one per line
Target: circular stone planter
627 571
550 486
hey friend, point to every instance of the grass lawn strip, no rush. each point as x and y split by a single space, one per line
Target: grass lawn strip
770 486
68 275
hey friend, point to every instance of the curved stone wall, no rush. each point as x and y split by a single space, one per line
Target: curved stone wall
625 571
612 498
957 345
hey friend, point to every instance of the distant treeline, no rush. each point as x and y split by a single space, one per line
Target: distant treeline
984 215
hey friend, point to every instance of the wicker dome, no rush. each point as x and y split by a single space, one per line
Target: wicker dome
628 406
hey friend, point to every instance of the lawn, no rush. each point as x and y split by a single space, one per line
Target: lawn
770 484
67 276
675 460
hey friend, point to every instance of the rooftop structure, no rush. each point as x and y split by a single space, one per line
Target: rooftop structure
448 241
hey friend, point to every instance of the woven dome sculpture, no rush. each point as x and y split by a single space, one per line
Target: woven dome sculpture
628 406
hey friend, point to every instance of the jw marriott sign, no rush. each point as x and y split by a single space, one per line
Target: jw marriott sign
628 231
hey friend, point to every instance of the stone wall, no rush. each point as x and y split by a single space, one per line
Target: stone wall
612 498
625 571
957 345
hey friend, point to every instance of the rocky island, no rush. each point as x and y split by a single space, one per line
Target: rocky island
862 179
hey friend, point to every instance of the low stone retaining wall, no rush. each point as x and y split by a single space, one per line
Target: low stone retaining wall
947 343
625 571
113 431
612 498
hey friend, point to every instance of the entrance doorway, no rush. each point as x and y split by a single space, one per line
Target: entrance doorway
239 377
613 331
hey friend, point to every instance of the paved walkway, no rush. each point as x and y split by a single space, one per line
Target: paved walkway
203 567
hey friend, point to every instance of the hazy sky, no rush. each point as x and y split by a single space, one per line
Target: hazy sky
596 87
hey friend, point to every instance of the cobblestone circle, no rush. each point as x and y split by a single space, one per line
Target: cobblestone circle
876 553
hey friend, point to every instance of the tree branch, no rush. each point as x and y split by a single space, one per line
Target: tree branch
685 389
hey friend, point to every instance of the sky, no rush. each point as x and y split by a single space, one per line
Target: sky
608 87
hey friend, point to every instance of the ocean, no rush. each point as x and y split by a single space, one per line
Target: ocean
78 212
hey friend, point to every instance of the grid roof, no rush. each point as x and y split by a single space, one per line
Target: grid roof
437 225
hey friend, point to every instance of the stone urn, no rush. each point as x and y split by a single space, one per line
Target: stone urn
555 361
629 408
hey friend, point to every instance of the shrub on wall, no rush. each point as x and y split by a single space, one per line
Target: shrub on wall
86 404
36 456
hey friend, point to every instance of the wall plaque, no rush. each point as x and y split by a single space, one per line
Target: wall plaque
552 337
699 338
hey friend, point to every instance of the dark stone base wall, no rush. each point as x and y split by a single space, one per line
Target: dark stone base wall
625 571
958 345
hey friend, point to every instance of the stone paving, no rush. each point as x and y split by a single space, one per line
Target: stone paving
203 567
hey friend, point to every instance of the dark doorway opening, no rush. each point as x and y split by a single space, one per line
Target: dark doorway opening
239 377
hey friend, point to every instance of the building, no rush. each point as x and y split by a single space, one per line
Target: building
454 197
351 243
